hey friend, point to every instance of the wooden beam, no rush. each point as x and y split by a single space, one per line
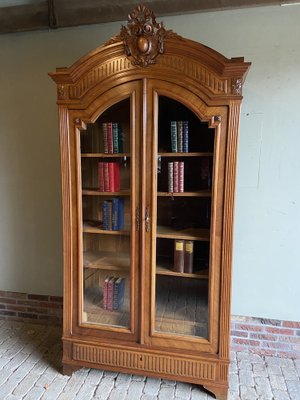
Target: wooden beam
47 14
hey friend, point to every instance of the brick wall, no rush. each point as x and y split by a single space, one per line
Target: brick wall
266 336
31 307
257 335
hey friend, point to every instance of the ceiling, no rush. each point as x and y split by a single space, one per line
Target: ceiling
29 15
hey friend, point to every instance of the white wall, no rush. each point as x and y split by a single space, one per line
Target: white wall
266 250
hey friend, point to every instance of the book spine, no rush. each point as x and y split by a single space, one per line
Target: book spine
188 256
170 177
120 139
175 177
110 294
106 176
120 214
174 136
105 224
101 176
181 176
110 138
115 213
116 174
116 294
121 292
115 137
178 255
185 136
179 137
109 215
105 285
111 176
105 139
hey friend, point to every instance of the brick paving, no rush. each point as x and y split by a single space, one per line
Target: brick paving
30 357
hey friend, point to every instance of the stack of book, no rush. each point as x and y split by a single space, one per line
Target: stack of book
113 214
179 136
176 177
113 292
113 138
183 256
109 176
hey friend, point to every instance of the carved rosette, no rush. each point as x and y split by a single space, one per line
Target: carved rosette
143 38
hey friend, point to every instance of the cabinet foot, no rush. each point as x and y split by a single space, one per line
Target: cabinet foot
69 369
218 392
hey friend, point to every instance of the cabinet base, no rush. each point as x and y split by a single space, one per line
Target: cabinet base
218 392
69 369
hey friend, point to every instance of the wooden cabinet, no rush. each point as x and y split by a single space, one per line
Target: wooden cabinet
148 129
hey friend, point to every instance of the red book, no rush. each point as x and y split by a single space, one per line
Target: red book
114 176
181 176
106 176
175 177
110 142
101 176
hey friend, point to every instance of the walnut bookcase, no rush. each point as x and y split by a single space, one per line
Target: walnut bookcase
148 131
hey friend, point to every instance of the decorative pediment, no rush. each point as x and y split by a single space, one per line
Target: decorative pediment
145 49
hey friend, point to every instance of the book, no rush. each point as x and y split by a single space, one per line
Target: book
105 141
115 131
106 177
181 176
119 290
117 214
174 136
185 136
114 176
178 255
110 293
179 136
110 138
105 286
107 215
188 256
101 176
175 177
170 177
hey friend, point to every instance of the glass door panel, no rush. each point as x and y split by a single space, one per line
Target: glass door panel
183 203
106 171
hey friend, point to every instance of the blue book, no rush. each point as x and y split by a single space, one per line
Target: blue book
185 136
120 214
105 215
120 139
115 214
119 290
115 130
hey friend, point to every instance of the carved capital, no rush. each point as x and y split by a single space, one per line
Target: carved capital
62 93
143 38
237 86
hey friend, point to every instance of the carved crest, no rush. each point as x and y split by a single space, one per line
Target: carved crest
143 37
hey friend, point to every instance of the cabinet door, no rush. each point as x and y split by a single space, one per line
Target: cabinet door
108 243
186 208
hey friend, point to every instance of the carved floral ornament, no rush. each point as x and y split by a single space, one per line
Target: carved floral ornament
143 38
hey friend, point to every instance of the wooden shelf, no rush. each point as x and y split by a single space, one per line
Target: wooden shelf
95 192
191 154
106 260
104 155
162 270
93 229
200 193
188 234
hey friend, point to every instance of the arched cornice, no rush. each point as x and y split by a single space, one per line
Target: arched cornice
178 59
